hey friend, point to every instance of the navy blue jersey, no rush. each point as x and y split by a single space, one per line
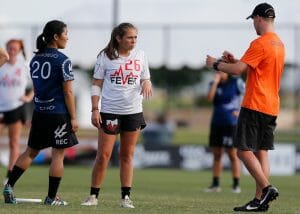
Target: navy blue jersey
48 72
227 100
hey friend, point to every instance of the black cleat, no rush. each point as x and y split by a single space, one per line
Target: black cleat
269 193
9 196
252 206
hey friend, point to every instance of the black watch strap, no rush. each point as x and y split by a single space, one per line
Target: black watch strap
216 64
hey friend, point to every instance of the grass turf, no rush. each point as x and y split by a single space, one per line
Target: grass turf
155 191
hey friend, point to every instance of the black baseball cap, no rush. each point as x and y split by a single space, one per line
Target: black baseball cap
263 10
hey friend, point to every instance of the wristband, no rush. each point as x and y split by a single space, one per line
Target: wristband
216 64
95 90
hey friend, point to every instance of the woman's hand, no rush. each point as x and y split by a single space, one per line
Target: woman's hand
96 119
146 88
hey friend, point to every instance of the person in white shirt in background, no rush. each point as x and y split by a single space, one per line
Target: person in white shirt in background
14 79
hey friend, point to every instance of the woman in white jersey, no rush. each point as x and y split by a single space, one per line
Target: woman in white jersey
121 80
3 56
14 78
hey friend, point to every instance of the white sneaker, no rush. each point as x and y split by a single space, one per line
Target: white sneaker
213 189
126 202
90 201
236 189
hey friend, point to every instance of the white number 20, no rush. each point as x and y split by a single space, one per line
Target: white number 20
45 70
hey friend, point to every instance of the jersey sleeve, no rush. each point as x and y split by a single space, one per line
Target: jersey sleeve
29 83
99 67
145 71
240 86
254 54
67 70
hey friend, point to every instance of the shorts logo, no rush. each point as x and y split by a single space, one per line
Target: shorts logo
111 125
59 132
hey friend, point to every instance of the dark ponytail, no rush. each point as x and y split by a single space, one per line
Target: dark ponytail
111 50
51 28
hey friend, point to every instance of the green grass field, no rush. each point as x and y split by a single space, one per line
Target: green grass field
155 191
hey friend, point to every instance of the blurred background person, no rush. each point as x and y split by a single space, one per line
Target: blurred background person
160 132
3 56
225 93
14 80
122 79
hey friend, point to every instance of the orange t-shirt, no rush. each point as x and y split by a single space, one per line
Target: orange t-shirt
265 58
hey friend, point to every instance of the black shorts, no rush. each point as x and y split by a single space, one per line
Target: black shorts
255 131
115 123
222 136
9 117
51 130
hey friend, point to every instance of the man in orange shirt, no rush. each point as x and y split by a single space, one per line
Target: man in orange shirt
263 62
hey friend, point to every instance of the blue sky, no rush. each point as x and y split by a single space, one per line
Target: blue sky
201 26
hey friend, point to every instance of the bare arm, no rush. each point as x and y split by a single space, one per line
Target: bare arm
70 102
96 117
212 91
28 97
146 88
233 67
3 56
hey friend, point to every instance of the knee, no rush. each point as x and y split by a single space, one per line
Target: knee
217 157
102 158
126 158
13 146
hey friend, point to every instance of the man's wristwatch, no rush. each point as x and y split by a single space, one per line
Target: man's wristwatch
216 64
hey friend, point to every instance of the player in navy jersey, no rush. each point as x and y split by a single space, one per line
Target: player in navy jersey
122 79
225 93
54 120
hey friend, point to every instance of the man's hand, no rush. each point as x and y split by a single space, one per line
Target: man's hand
210 61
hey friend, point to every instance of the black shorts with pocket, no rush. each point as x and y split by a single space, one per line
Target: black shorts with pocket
13 116
222 135
115 123
51 130
255 131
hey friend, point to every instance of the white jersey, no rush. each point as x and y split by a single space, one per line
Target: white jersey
121 86
13 82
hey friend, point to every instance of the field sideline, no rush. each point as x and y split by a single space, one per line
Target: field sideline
155 191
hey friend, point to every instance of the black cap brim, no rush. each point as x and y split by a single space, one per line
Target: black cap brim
251 16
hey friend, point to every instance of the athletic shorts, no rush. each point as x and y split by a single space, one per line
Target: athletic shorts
255 131
222 136
51 130
115 123
9 117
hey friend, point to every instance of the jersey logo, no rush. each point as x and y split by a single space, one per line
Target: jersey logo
119 78
249 207
67 70
59 132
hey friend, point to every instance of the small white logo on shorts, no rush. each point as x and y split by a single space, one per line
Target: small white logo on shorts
59 132
112 124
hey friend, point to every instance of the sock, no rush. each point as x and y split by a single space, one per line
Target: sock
8 173
125 191
15 175
236 182
215 182
53 186
95 191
